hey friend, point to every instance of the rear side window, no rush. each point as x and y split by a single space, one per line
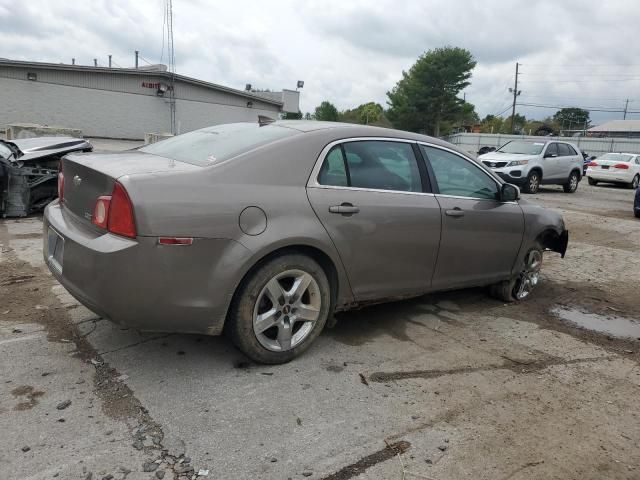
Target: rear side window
333 171
374 164
564 150
211 145
572 150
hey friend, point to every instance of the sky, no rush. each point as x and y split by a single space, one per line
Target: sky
572 52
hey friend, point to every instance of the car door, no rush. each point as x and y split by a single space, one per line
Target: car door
481 236
566 160
373 198
550 162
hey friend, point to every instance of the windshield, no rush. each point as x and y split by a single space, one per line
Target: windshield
214 144
616 157
524 148
5 151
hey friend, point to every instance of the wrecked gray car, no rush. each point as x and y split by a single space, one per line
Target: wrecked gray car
29 169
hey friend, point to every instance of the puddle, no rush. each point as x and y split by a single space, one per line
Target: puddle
612 325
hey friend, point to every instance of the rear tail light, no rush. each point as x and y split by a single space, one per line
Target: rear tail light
60 183
623 166
115 213
592 164
101 212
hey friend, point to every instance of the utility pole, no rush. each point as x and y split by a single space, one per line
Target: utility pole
109 61
172 67
137 53
515 92
626 106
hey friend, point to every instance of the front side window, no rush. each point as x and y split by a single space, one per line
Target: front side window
372 164
552 149
458 177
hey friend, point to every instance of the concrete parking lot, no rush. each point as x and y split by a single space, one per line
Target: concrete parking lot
447 386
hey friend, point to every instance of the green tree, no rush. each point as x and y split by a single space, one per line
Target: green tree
571 118
327 112
292 115
370 113
426 95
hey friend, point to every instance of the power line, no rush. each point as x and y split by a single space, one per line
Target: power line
591 109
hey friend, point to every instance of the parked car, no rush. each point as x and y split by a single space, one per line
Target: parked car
28 172
586 159
530 164
264 230
621 168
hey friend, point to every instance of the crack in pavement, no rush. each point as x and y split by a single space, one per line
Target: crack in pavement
146 340
359 467
515 365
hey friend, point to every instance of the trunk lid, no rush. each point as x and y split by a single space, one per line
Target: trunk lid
89 176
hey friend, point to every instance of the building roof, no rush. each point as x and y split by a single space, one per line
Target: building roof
622 126
156 70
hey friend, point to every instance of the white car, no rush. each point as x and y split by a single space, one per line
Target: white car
530 164
615 168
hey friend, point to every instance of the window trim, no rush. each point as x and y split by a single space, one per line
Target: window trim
434 181
313 182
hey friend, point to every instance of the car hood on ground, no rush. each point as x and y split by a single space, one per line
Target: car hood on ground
505 157
34 148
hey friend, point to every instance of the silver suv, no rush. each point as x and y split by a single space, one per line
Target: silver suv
530 164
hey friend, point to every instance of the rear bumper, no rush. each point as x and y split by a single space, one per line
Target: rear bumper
611 175
141 284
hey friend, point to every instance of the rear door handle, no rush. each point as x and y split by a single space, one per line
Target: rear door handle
456 212
344 209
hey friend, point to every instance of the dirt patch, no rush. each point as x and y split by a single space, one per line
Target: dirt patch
28 392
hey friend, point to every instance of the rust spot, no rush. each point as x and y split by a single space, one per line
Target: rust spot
31 395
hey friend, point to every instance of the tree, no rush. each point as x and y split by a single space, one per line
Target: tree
366 114
571 118
327 112
427 94
292 115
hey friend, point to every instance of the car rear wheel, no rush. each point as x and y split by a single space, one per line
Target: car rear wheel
572 183
520 287
592 181
533 182
280 309
634 183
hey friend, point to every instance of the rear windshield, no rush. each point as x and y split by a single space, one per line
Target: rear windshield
524 148
616 157
214 144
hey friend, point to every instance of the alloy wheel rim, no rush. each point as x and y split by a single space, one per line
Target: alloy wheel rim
530 275
635 182
533 183
286 310
574 181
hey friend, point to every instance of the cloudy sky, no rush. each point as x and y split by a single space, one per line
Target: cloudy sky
573 52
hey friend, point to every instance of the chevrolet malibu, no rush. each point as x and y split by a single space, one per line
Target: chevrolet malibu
263 230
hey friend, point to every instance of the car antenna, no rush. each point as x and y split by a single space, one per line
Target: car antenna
264 120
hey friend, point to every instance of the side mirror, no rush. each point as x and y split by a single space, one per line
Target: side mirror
509 193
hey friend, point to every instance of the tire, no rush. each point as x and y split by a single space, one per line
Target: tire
634 183
519 288
532 184
572 182
592 181
283 334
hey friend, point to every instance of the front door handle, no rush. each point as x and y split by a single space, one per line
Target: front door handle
344 209
456 212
